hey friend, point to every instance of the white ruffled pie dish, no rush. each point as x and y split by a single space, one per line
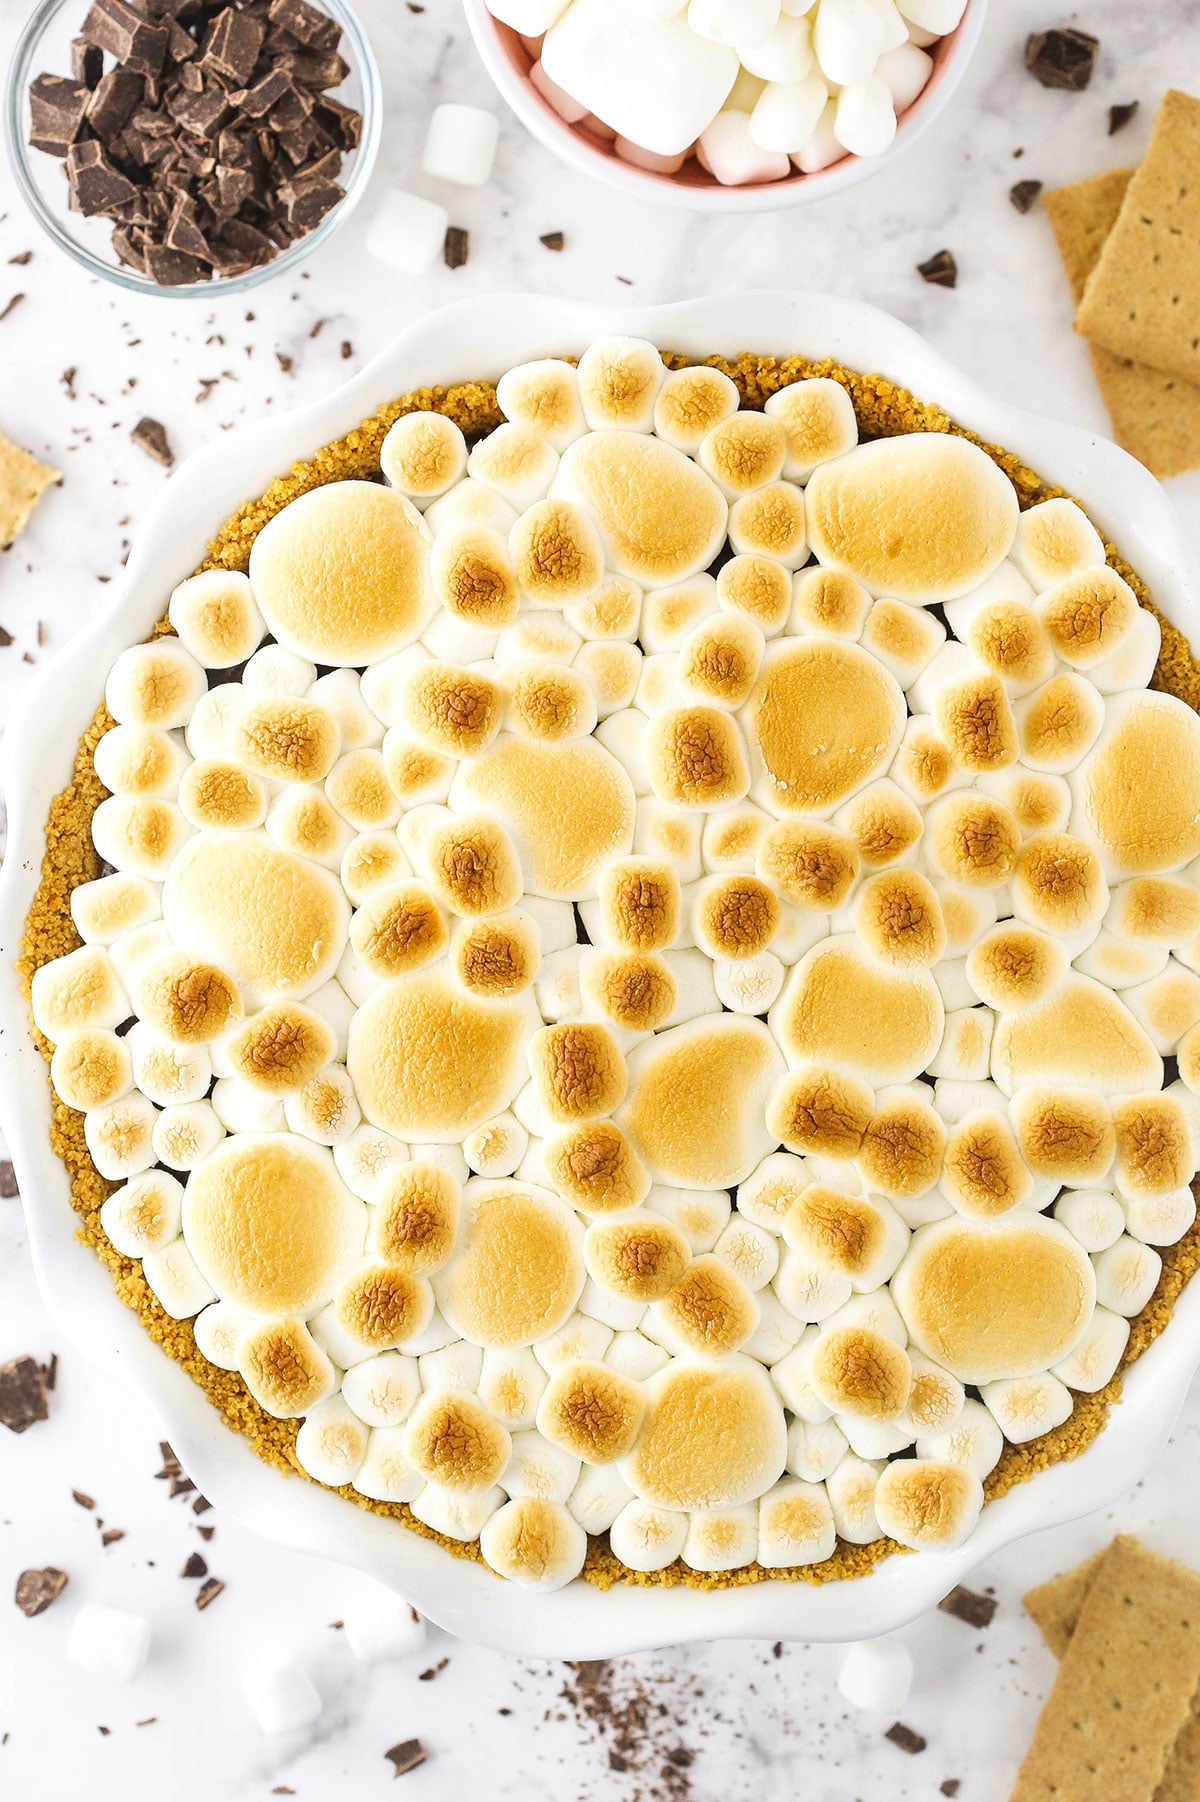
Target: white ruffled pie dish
481 339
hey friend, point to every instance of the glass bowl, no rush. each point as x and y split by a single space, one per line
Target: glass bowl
44 46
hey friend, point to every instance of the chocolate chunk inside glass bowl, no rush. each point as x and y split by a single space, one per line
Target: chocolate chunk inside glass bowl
187 147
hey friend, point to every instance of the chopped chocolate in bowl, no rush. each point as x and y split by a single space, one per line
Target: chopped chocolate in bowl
208 134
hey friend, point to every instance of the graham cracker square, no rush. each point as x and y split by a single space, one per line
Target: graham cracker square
23 481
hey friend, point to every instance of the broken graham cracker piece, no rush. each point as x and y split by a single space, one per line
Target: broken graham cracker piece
23 481
1125 1685
1055 1608
1142 299
1155 417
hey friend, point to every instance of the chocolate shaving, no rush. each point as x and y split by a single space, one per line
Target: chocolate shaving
406 1756
36 1589
111 1536
84 1500
8 1176
1024 194
1062 59
23 1394
553 240
951 1786
21 259
150 435
6 638
940 269
967 1605
905 1738
208 1591
195 1566
457 247
1119 116
12 305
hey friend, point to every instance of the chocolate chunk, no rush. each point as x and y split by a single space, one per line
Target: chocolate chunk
969 1606
406 1756
22 1394
307 202
316 69
87 62
56 112
457 247
84 1500
905 1738
36 1589
1062 59
1023 194
202 114
1119 116
940 269
208 1592
127 36
305 22
8 1181
112 1535
232 44
256 102
195 1566
552 240
150 435
951 1786
115 100
13 304
96 186
342 121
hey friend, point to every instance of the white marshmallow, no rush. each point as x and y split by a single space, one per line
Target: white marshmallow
751 986
219 1330
721 1539
621 1315
109 1642
906 70
120 1136
641 158
1160 1219
274 671
1092 1216
808 1292
143 1215
536 1467
341 692
635 1356
210 728
733 156
851 1491
1131 665
281 1696
460 145
1094 1361
598 1497
380 1624
175 1278
383 1390
785 114
734 21
647 1538
823 148
469 503
701 1215
165 1072
332 1442
532 18
877 1675
241 1108
865 119
1026 1407
848 39
974 1441
776 1333
568 109
786 55
895 29
938 16
155 684
407 232
815 1449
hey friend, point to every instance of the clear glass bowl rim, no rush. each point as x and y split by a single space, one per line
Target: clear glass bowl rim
359 54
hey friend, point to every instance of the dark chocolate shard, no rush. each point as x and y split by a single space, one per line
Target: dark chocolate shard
96 184
127 36
115 100
56 112
8 1181
36 1589
457 247
1062 58
23 1394
969 1606
232 44
306 23
1119 116
87 62
307 202
940 269
1023 194
906 1738
406 1756
552 240
150 435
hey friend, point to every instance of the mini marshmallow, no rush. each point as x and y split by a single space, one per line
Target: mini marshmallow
109 1642
786 55
407 232
974 1441
143 1215
534 1543
815 1449
750 986
175 1278
647 1538
619 380
380 1624
745 22
785 114
823 148
216 618
864 121
848 40
877 1675
460 145
281 1696
531 18
332 1442
725 1539
383 1390
1160 1219
568 109
906 70
1026 1407
538 1468
1093 1216
138 835
326 1109
241 1108
184 1135
635 1356
1094 1361
209 732
120 1136
598 1497
276 672
937 16
140 760
155 684
851 1490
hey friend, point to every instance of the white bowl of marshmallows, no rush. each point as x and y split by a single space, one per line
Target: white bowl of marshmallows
726 105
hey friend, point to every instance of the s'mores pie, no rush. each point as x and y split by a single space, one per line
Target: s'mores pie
650 1006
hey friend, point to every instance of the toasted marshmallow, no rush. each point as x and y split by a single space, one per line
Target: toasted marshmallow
547 702
883 823
598 1497
841 1008
216 618
818 417
1161 1219
140 760
826 600
612 610
612 670
1133 662
1155 1155
904 639
1010 640
731 839
473 577
286 739
470 503
453 1441
697 1095
719 1540
691 403
640 1258
139 835
870 513
859 1372
358 787
973 715
143 1215
819 1109
544 397
326 1109
898 917
709 1311
823 719
111 906
209 731
556 553
417 1217
367 1161
537 633
1065 1134
217 792
1168 1005
511 1383
185 1134
281 1048
845 1234
1079 1036
646 1538
185 998
735 916
452 711
1059 723
518 1269
1014 966
87 987
1155 910
974 1442
1093 1216
578 1071
814 864
973 839
302 820
1055 539
696 758
91 1067
807 1290
928 1505
284 1368
758 589
903 1145
498 956
399 929
592 1412
965 1051
719 660
219 1331
744 453
383 1390
1024 1408
984 1174
851 1491
372 861
636 991
714 1436
1004 1299
1058 885
660 517
1039 802
535 1543
341 574
935 1398
619 381
1135 791
418 776
155 684
423 455
1087 614
669 833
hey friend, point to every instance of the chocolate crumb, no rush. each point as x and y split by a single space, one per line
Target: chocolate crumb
457 247
26 256
435 1670
1062 59
201 1505
283 1789
67 378
150 435
940 269
967 1605
1118 118
905 1738
111 1536
23 1394
180 1485
406 1756
85 1501
6 638
195 1566
206 1533
553 240
208 1591
12 305
347 350
951 1786
146 1721
104 1732
285 363
171 1466
336 1626
36 1589
8 1176
1023 194
777 1649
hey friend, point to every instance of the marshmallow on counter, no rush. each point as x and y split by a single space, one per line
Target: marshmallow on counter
380 1624
407 232
655 81
877 1675
281 1696
109 1642
460 145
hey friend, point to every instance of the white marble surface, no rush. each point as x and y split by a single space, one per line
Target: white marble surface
758 1725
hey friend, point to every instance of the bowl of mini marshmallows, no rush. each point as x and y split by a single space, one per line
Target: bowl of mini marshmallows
726 105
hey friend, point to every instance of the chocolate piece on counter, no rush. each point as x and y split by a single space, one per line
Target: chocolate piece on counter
940 269
969 1606
87 62
13 304
1119 116
406 1756
84 1500
905 1738
8 1181
195 1566
552 241
36 1589
1062 59
1024 194
96 185
126 35
951 1786
22 1394
115 99
208 1592
457 247
150 435
232 44
56 112
112 1535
